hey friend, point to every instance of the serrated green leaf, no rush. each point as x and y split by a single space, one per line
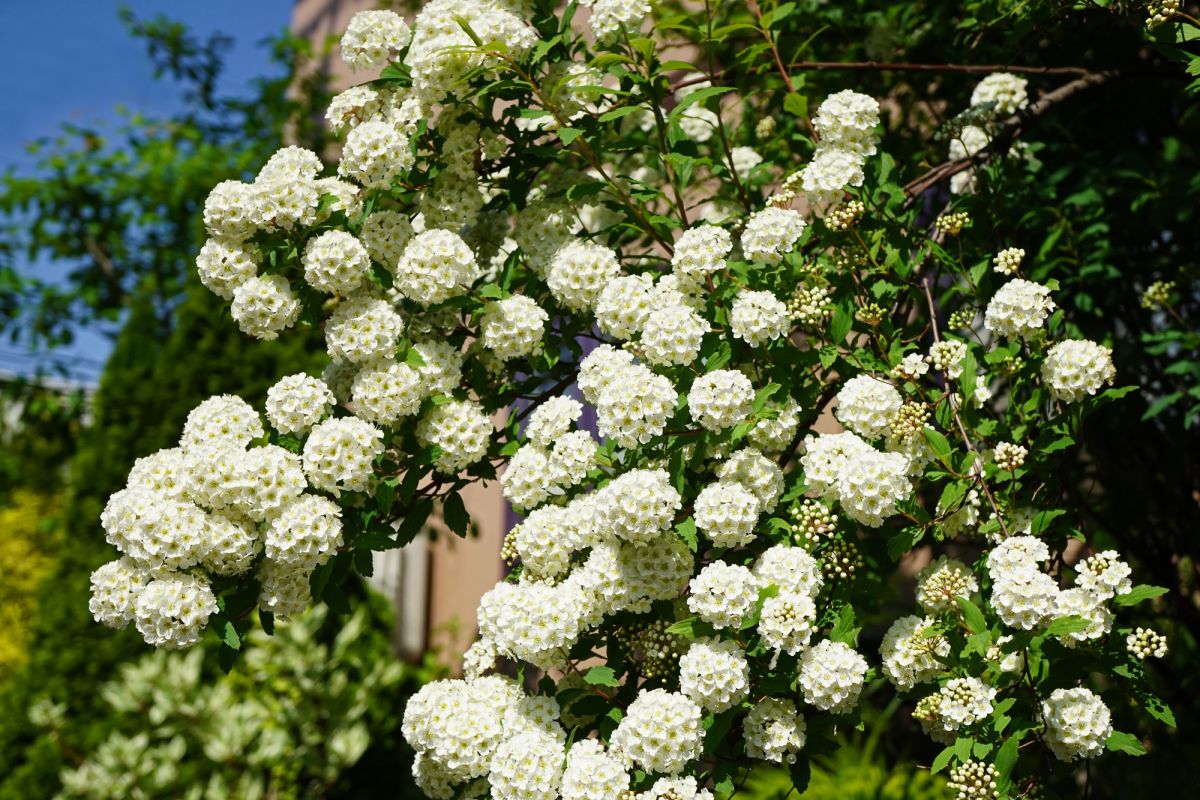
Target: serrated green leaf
1138 594
455 515
1120 742
601 676
687 532
942 760
1072 623
568 135
796 105
230 637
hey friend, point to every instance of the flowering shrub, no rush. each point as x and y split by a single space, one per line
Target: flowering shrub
531 205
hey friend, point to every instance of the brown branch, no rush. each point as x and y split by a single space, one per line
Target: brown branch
1009 130
894 66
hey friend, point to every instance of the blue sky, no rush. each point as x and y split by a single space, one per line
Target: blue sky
72 60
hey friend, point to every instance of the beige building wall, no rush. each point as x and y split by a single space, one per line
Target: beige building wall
436 582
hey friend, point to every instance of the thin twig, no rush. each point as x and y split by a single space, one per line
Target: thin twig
1008 131
962 429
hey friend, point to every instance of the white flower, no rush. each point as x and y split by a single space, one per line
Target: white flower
758 317
715 674
223 418
673 334
115 589
527 766
1104 575
624 305
435 266
743 159
1020 308
552 419
723 594
848 120
638 505
942 582
660 732
831 676
263 306
756 472
385 234
787 620
790 568
774 731
335 262
866 405
579 272
362 329
720 399
339 454
1006 90
229 211
172 611
375 154
770 233
701 250
909 656
1077 723
513 327
726 513
305 533
372 37
612 17
285 590
297 402
225 264
592 774
1077 368
460 430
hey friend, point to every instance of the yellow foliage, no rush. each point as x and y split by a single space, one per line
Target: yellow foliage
26 554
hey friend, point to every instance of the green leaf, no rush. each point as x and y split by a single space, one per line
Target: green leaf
230 637
698 96
842 322
1120 742
796 105
939 443
963 746
752 618
1157 707
687 532
1139 593
764 394
942 760
1072 623
1006 757
601 676
845 631
691 628
455 514
972 616
801 773
619 112
568 135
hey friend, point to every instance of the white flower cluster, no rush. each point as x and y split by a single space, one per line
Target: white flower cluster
1007 93
1077 368
611 18
579 272
372 37
831 676
660 732
1023 596
297 402
335 262
758 317
774 730
212 506
771 233
723 594
513 327
632 402
701 250
727 513
846 123
720 399
1008 261
461 432
435 266
942 582
910 656
1019 309
868 483
715 674
866 405
960 703
1077 723
592 774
